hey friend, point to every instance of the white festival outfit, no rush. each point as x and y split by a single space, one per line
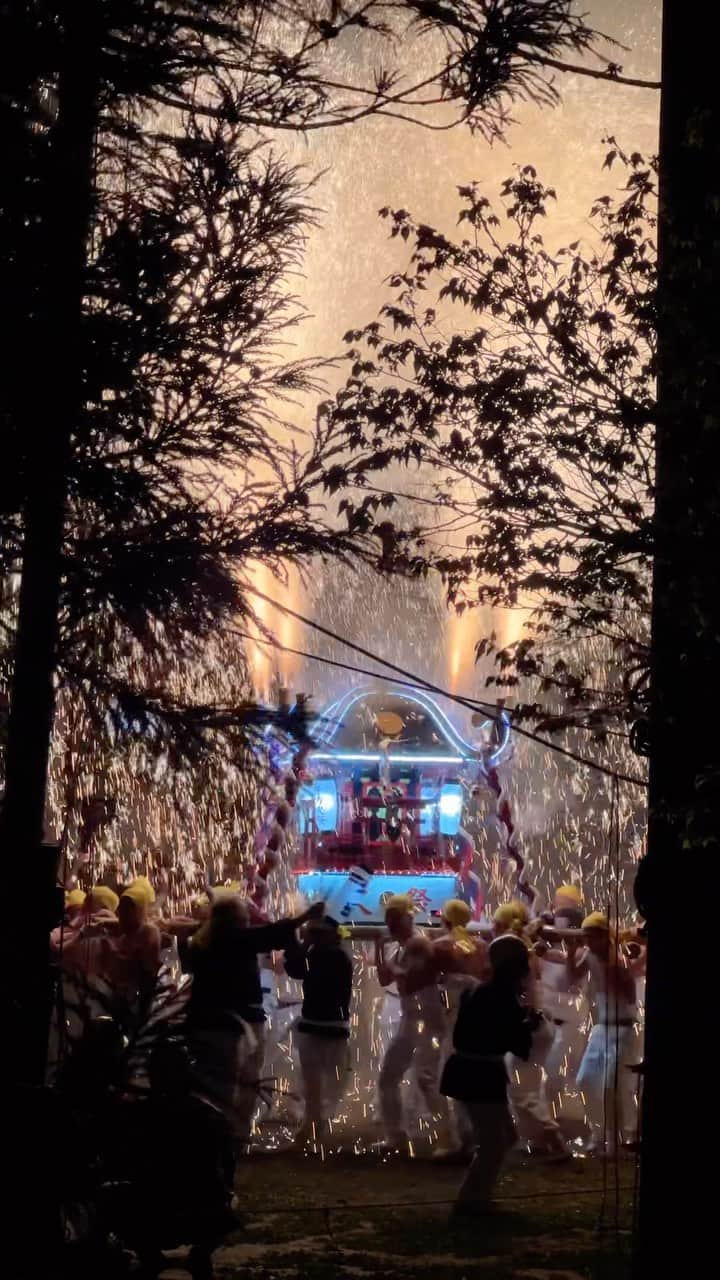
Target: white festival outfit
605 1076
564 1009
324 1068
536 1125
419 1042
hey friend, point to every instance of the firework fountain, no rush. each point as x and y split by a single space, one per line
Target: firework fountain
465 807
289 826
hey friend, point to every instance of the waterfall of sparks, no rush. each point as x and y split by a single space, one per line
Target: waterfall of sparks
127 801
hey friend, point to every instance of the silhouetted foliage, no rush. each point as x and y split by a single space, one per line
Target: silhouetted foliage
185 462
532 402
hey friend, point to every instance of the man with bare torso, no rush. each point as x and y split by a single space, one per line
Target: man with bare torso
605 1076
420 1034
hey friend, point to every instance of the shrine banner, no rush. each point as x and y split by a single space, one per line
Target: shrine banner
357 897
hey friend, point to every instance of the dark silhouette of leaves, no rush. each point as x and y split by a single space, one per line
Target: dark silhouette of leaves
532 403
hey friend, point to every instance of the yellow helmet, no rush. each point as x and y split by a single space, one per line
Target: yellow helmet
75 898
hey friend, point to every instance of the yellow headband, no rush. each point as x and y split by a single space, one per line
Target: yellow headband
102 896
141 890
136 893
512 915
456 912
225 892
457 915
569 891
596 920
75 898
401 903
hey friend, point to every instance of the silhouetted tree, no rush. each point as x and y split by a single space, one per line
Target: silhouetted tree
139 281
524 380
679 731
107 110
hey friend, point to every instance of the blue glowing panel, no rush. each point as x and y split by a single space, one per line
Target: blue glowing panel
450 806
360 899
428 813
326 804
317 806
305 809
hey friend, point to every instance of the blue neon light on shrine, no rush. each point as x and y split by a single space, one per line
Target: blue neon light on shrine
325 795
326 727
428 811
317 806
305 807
428 889
450 807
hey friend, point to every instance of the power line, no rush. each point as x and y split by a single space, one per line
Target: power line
316 657
415 681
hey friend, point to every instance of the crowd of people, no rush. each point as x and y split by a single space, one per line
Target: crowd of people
493 1020
496 1033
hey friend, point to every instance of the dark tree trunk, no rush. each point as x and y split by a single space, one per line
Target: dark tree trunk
677 885
51 412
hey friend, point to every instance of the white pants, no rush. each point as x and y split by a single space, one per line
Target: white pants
494 1135
608 1084
533 1116
419 1044
563 1060
324 1066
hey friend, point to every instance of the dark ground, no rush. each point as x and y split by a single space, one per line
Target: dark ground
357 1217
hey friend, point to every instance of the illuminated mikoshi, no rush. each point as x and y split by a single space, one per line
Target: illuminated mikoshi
382 811
378 802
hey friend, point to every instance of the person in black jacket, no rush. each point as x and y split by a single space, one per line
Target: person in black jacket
226 1020
491 1022
325 969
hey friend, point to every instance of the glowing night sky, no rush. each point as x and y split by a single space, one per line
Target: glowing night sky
386 162
380 161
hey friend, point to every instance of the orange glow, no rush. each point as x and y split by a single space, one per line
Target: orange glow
511 624
269 665
381 161
259 655
461 637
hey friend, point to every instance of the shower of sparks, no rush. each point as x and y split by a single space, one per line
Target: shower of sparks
177 819
181 822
